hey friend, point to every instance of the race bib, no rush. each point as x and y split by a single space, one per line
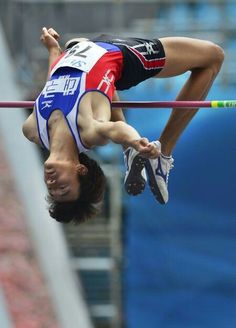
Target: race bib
82 56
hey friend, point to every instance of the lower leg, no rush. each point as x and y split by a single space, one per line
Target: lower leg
204 60
196 88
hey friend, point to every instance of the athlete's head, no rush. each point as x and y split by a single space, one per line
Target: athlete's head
72 42
75 190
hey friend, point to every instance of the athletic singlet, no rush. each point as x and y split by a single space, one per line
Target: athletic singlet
102 65
81 69
142 59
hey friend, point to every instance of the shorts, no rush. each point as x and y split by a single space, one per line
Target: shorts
142 59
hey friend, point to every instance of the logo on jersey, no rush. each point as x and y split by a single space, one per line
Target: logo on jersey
106 81
64 84
147 54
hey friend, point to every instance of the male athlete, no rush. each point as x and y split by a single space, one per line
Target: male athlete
93 70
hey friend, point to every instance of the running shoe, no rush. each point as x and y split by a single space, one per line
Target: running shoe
158 173
135 176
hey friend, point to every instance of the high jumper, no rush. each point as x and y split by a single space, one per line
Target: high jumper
73 113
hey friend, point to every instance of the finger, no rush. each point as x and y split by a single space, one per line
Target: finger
52 30
144 151
144 142
149 152
54 33
44 34
155 153
44 31
150 145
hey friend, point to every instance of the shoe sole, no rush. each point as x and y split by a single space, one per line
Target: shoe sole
152 183
134 186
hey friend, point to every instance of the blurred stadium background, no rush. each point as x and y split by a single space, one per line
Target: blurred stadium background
139 264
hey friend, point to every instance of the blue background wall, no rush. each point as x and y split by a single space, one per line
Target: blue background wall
180 259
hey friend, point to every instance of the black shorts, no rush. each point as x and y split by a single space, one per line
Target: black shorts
142 59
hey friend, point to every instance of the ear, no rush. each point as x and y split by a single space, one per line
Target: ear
82 169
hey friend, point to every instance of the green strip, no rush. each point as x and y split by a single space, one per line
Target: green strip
223 104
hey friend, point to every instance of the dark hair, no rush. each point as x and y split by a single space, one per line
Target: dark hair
92 188
71 44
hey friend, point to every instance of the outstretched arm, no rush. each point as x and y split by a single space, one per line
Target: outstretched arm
124 134
49 38
132 137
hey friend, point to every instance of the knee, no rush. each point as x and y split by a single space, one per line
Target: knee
216 56
219 55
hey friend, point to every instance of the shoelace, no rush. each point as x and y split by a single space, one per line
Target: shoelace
169 166
157 144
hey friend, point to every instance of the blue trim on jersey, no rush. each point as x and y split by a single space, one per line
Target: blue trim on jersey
108 46
60 93
77 110
56 96
39 134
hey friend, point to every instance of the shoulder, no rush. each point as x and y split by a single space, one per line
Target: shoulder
30 130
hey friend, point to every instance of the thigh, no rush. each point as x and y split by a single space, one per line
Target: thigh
184 54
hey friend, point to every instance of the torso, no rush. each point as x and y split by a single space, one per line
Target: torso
100 111
84 96
70 88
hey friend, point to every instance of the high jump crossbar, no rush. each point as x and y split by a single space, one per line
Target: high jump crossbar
142 104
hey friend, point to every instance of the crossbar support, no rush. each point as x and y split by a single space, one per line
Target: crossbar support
142 104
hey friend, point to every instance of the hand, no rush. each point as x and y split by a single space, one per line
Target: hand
146 149
49 38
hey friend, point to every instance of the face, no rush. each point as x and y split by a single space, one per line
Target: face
62 180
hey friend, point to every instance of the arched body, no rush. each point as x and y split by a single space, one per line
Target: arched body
73 112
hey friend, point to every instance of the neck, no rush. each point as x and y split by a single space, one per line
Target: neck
62 144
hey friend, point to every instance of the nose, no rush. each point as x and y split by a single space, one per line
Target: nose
50 176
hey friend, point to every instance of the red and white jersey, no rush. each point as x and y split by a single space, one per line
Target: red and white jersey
83 56
103 65
68 85
101 62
